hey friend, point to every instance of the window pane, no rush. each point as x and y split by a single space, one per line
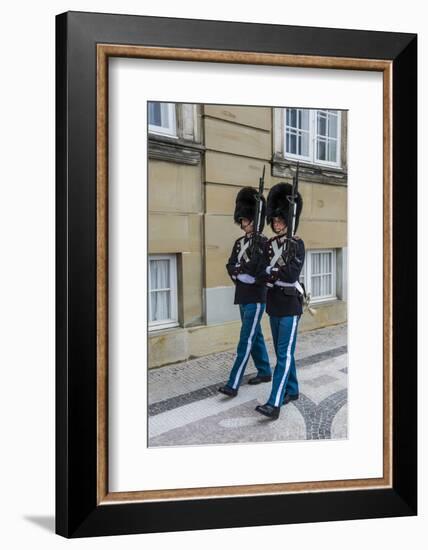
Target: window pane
304 119
287 141
165 115
160 306
315 263
159 274
297 132
328 285
332 150
326 262
327 136
321 123
322 286
155 116
304 144
322 274
333 120
293 144
316 288
321 149
161 114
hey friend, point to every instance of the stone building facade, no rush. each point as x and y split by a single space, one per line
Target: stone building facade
199 156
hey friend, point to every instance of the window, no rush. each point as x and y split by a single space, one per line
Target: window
313 136
297 133
162 119
319 274
162 291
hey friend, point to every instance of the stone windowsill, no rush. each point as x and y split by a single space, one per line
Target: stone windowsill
327 303
312 173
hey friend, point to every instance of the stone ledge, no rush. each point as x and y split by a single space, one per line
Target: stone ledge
180 344
179 150
311 173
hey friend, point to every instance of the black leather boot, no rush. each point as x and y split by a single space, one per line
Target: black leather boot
227 390
268 410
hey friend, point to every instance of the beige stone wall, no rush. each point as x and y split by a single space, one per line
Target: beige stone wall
191 214
324 217
175 226
238 144
247 133
182 344
174 187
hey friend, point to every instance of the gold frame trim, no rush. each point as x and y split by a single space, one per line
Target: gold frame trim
104 51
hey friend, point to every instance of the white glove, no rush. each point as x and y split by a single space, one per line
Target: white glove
245 278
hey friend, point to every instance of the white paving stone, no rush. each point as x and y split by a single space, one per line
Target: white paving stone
204 408
219 419
174 380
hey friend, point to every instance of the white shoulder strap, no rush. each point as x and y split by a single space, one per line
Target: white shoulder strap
277 251
243 248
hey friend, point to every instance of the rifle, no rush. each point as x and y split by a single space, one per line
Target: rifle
258 216
291 222
293 205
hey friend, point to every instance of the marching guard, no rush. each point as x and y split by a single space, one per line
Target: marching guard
284 255
250 294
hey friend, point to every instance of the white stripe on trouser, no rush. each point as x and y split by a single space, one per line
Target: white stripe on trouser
287 362
247 352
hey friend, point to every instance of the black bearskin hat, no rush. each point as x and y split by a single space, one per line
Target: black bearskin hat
246 206
278 204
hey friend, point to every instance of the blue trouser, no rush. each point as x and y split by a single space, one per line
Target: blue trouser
284 334
251 341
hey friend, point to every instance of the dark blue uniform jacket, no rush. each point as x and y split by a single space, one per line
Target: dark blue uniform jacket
283 301
246 293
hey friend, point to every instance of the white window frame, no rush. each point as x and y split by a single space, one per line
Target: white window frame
173 321
171 129
311 158
306 275
310 139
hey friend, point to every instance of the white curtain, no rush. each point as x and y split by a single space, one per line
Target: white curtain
321 271
160 302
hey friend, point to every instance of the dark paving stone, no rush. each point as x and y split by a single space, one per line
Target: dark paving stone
209 391
318 421
318 357
319 418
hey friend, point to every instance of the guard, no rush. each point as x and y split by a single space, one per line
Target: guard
243 266
283 261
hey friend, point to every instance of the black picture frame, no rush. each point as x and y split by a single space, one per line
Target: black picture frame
78 513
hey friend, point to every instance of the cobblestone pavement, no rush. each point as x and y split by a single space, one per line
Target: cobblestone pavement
185 407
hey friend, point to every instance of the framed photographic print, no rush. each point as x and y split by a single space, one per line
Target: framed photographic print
236 274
